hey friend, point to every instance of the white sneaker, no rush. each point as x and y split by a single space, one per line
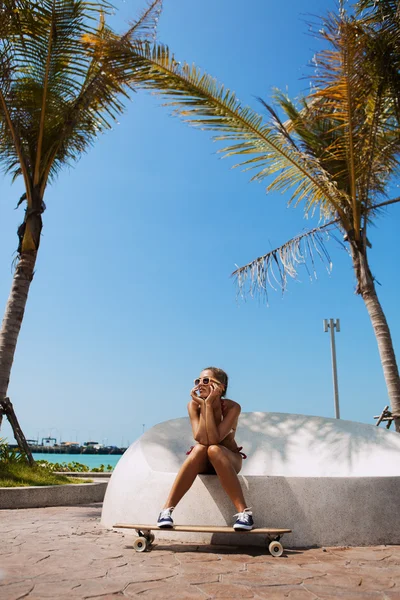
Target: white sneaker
165 519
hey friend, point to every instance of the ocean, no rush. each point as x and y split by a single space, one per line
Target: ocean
91 460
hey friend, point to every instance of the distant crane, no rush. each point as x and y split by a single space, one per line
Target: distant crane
48 440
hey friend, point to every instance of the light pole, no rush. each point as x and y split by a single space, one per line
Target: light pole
332 324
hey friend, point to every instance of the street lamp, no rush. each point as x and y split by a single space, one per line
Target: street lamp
332 324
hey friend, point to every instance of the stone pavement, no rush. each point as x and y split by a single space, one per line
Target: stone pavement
63 553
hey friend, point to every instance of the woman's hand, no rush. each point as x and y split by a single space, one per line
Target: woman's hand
199 401
215 394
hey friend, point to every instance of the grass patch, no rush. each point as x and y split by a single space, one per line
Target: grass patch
21 474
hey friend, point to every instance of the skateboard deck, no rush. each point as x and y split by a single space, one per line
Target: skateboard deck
145 538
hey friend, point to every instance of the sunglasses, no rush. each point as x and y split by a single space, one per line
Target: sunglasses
205 381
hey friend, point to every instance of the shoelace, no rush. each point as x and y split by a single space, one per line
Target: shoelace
245 515
166 513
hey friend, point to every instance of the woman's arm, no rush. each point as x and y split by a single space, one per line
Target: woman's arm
211 426
229 422
217 432
198 421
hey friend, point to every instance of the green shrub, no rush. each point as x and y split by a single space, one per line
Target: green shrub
64 467
72 466
10 455
101 469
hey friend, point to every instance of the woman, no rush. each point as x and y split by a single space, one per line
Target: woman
214 421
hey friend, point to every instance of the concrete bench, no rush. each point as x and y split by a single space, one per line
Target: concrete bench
333 482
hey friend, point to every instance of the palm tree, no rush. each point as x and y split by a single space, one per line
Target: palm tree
337 152
58 92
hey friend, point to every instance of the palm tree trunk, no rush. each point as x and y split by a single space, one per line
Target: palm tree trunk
366 288
13 316
7 409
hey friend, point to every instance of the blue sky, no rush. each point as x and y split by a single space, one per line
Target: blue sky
132 295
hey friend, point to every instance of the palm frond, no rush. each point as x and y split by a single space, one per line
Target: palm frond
376 112
97 105
313 131
199 100
60 89
378 11
47 64
273 269
382 19
347 123
376 207
145 27
107 81
12 154
343 86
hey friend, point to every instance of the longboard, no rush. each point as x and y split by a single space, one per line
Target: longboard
145 538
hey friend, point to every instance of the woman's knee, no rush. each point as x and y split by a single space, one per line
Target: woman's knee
215 453
198 451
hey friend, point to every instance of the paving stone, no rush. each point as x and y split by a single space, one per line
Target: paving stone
363 554
81 589
11 572
195 557
213 567
274 565
136 589
14 591
283 592
107 596
62 553
64 575
202 576
156 560
325 592
32 596
244 558
256 579
53 590
322 567
134 572
226 590
363 580
169 591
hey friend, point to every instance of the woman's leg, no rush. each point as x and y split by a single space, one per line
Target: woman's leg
196 463
227 465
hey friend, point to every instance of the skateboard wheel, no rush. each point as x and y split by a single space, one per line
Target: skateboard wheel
151 538
276 548
140 544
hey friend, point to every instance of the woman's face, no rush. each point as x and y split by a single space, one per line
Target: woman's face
205 389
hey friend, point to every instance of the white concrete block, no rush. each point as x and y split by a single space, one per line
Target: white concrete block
333 482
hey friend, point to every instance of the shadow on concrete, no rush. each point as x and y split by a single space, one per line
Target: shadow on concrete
277 433
272 440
